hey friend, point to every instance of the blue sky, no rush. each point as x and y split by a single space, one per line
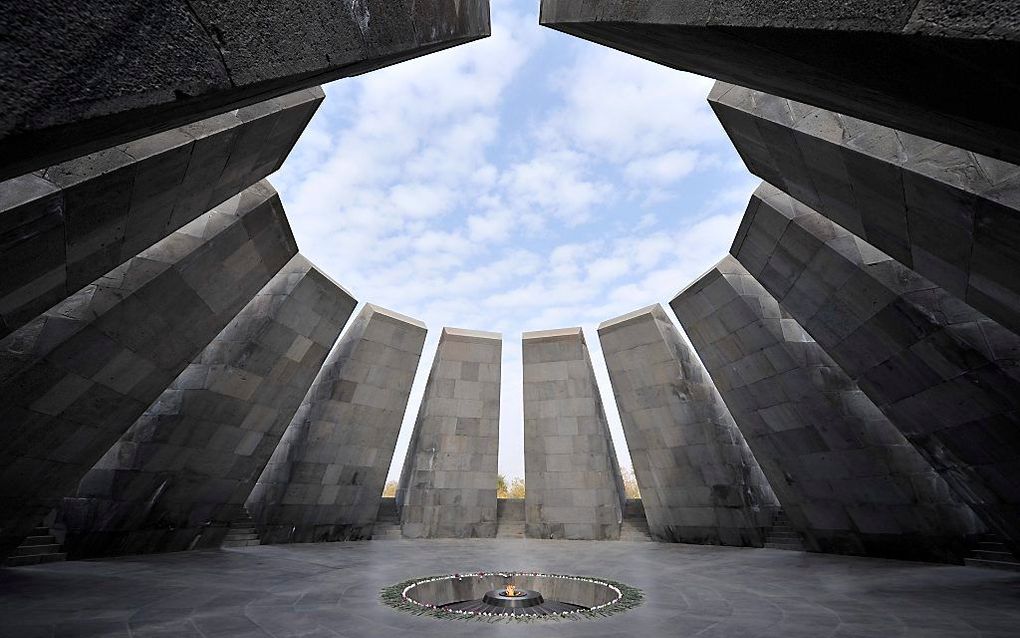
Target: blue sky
527 181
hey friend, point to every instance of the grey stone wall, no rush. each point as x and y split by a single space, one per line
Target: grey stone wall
75 378
914 65
944 374
574 489
97 73
699 481
448 484
325 480
951 215
64 226
845 476
179 476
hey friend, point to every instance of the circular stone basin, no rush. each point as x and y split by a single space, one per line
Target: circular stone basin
484 594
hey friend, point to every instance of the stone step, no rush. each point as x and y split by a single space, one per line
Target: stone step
31 550
47 539
241 537
241 543
992 564
34 559
794 536
241 530
795 547
40 531
1000 555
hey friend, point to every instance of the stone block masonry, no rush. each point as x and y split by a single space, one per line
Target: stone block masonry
951 215
83 77
699 481
448 484
848 480
180 475
943 373
75 378
574 489
325 479
64 226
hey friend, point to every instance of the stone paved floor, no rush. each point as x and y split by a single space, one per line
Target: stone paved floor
330 590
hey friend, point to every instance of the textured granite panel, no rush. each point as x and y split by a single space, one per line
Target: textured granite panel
325 480
65 226
92 74
448 484
179 476
938 68
849 482
75 378
945 374
574 488
951 215
699 481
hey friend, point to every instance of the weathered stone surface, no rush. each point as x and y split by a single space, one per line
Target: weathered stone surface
65 226
75 378
945 374
845 476
448 484
951 215
574 489
180 475
325 480
698 479
79 78
944 70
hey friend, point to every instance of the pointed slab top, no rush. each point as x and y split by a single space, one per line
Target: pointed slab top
461 333
560 333
640 313
371 307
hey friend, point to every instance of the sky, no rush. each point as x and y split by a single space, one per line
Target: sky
526 181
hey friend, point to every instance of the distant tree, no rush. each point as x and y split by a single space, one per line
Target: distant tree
516 488
390 489
501 486
630 486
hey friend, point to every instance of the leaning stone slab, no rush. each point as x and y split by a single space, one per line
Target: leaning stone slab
951 215
76 377
179 476
699 481
64 226
849 482
574 488
944 374
77 79
448 484
944 70
325 480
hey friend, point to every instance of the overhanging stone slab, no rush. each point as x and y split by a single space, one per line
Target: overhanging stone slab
944 70
699 481
76 377
572 477
180 475
944 374
64 226
325 480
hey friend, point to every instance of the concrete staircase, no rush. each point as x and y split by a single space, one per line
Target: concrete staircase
387 522
992 553
510 529
510 518
782 535
635 524
40 547
242 532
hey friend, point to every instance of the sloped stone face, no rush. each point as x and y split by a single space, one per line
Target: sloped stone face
448 484
76 377
179 476
951 215
884 61
90 76
943 373
67 225
325 480
845 476
699 481
574 489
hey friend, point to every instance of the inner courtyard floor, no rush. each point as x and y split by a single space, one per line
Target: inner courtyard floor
332 589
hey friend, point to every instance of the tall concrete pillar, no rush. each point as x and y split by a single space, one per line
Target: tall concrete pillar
108 71
944 374
179 476
845 476
951 215
944 70
448 485
76 377
325 480
699 481
67 225
572 477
